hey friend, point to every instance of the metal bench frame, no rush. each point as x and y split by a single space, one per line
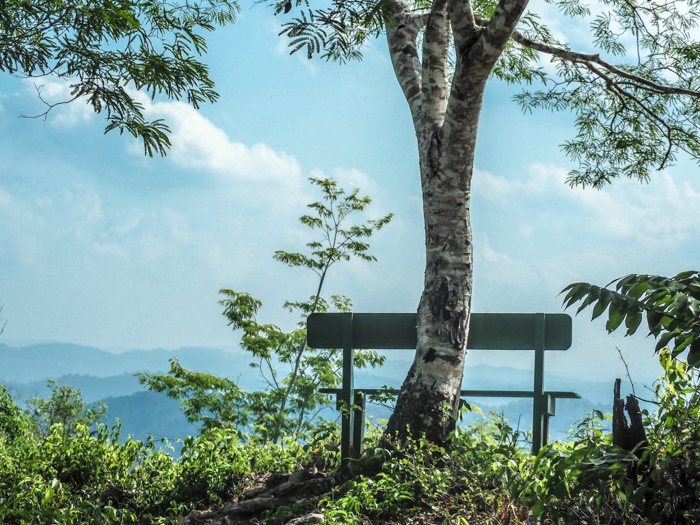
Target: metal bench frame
351 331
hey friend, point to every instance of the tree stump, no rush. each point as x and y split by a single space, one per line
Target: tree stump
629 436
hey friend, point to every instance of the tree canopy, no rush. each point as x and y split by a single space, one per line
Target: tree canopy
635 96
107 49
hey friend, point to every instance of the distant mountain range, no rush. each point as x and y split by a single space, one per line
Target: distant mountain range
51 360
109 377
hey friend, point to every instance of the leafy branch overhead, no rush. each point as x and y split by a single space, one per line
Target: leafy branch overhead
671 306
636 107
106 48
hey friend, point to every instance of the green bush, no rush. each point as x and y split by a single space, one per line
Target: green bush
12 422
589 480
464 482
92 477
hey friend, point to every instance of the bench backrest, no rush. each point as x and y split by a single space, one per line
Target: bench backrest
396 331
350 331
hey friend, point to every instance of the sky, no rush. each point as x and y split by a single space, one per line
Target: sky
102 246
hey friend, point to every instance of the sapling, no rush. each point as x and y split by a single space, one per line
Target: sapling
291 372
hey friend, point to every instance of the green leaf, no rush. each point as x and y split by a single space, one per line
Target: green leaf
634 318
694 354
680 302
605 299
682 342
654 322
576 292
664 340
616 316
685 275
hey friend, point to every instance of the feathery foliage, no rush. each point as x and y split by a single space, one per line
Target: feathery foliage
106 48
632 117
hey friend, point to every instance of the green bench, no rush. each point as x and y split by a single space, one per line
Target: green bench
351 331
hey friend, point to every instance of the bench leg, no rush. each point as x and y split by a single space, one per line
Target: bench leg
358 430
347 434
538 424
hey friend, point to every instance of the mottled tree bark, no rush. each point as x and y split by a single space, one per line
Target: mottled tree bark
446 119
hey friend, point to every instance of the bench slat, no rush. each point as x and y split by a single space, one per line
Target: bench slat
465 393
398 331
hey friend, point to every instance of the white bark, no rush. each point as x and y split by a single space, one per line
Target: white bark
446 119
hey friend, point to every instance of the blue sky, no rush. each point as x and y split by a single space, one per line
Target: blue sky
104 247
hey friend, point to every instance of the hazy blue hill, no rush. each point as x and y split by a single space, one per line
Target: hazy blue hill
92 387
54 360
36 362
33 364
145 413
109 377
507 378
487 377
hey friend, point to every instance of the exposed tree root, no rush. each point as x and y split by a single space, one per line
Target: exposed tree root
303 486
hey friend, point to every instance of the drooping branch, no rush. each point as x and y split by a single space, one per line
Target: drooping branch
623 94
615 102
436 47
402 36
584 58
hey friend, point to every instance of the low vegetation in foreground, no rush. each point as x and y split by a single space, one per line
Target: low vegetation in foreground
483 474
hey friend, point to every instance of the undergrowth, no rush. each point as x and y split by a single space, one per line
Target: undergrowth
481 475
93 477
464 482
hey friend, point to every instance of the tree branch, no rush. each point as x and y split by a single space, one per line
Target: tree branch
615 88
436 48
498 31
573 56
402 36
476 57
462 21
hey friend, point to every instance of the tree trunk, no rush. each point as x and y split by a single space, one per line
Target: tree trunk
429 400
446 119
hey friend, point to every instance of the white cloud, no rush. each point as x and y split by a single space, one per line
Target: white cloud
349 179
493 188
179 226
17 236
128 221
491 256
662 213
112 250
199 144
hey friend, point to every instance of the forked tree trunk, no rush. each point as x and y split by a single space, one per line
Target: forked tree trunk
446 120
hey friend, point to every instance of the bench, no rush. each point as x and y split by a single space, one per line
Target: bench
351 331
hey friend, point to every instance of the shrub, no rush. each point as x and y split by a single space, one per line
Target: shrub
589 480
